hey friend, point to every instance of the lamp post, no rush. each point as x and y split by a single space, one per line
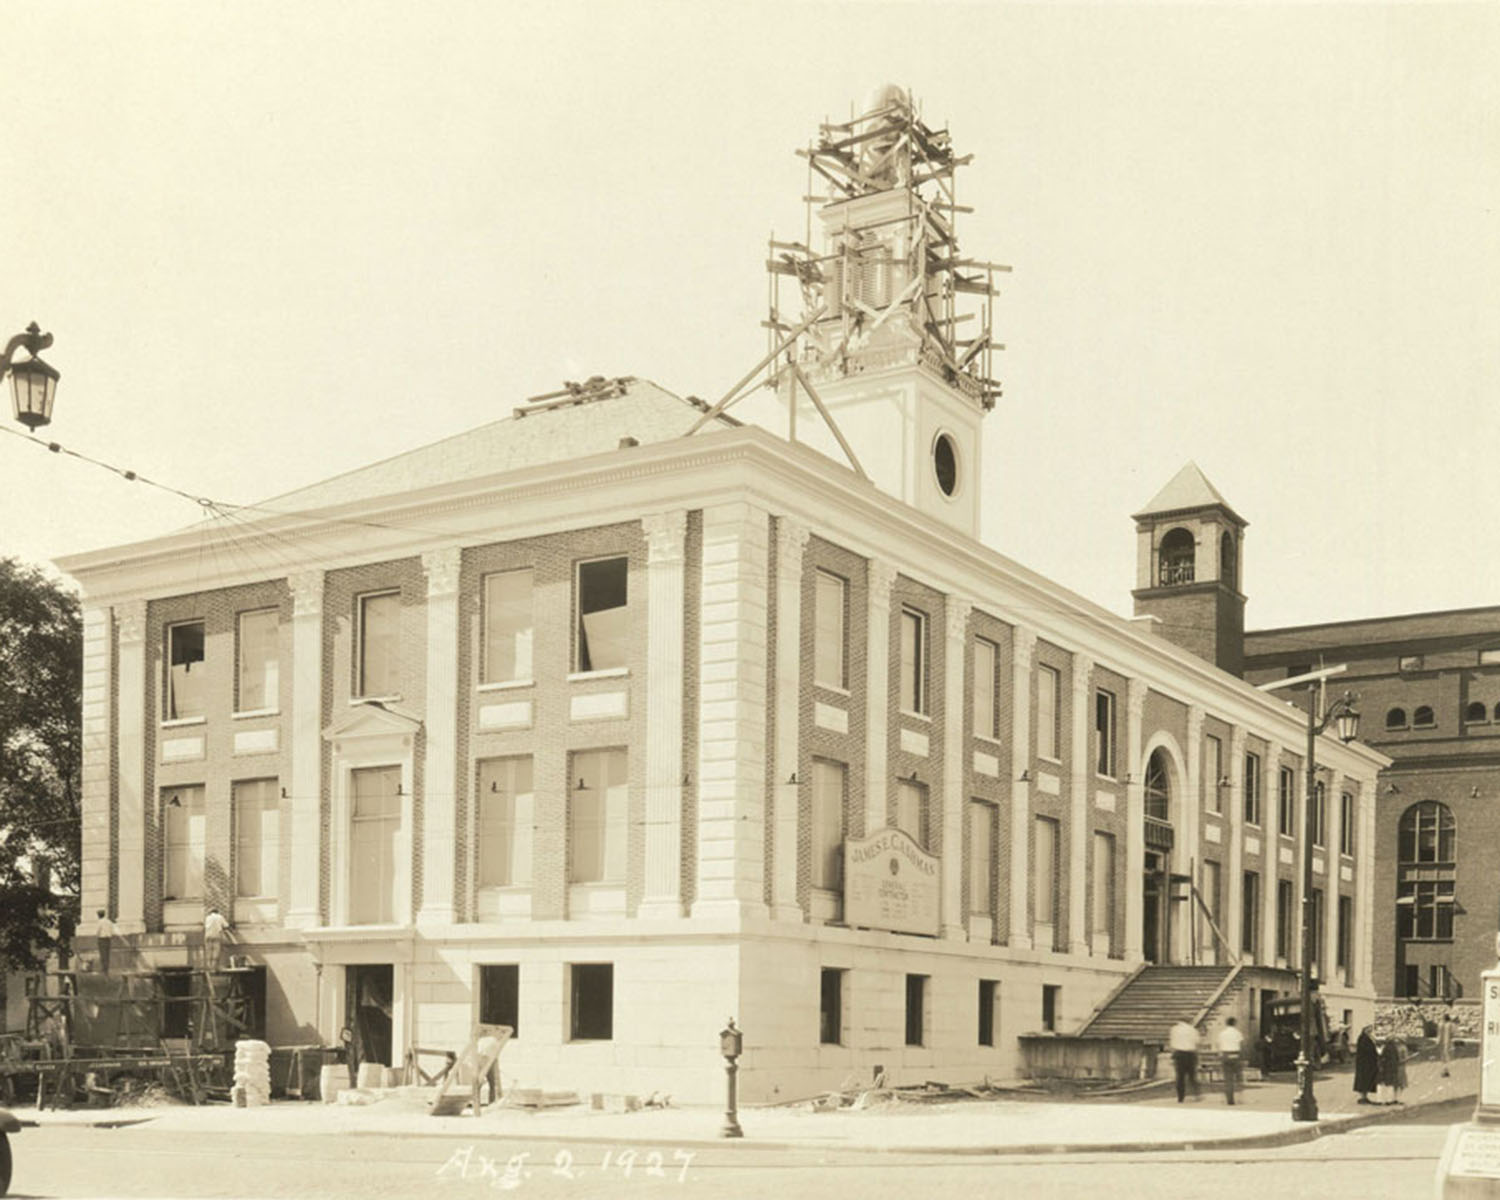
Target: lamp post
1346 717
33 382
731 1045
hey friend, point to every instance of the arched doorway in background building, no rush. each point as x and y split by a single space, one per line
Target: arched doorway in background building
1156 883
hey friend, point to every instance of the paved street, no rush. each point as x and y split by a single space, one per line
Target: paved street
1395 1159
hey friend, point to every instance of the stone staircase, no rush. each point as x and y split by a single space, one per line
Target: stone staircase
1156 997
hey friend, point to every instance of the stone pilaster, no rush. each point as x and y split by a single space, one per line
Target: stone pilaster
1194 935
1333 817
305 746
732 712
440 761
1080 785
1023 758
1271 856
882 575
666 536
1364 882
1234 883
791 541
955 655
98 725
130 722
1135 820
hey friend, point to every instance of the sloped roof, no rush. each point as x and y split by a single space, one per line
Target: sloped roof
1187 489
546 433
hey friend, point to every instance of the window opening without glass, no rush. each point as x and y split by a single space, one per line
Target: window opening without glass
603 628
186 693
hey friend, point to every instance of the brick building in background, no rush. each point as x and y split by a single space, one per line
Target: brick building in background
585 725
1429 688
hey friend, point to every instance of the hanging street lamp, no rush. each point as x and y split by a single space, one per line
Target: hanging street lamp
33 382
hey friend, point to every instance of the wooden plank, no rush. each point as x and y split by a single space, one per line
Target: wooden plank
733 392
829 421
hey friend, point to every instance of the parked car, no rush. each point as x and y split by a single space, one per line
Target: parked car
1281 1034
8 1126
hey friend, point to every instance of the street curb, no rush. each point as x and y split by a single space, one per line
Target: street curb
1310 1132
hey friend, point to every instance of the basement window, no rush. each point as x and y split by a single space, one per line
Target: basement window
1051 993
603 632
831 1007
988 989
500 996
916 1005
592 1016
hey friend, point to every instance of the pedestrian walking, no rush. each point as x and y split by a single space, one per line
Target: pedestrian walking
215 931
1231 1042
1445 1038
1392 1071
104 935
1366 1066
1183 1042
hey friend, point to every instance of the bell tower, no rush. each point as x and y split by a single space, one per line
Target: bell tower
888 366
1189 558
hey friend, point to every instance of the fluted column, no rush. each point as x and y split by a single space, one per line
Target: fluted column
1190 856
1080 785
440 760
666 536
1333 813
955 655
1234 885
1023 654
131 720
306 749
1135 821
882 575
1271 857
1364 883
97 728
791 541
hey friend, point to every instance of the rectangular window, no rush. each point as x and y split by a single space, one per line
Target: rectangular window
981 859
1319 814
603 640
1346 823
592 1007
1346 932
1317 931
986 713
1284 918
1104 732
1252 789
505 811
988 991
1051 995
1286 808
598 811
1208 942
828 824
830 625
186 693
913 661
916 1005
1213 773
374 826
182 808
379 638
1424 909
508 627
257 836
500 996
1250 916
1102 918
831 1007
259 661
1044 901
1046 712
911 810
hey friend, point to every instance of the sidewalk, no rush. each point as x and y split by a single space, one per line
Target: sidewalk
1023 1124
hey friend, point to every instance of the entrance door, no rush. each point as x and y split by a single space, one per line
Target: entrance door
368 991
1151 909
375 820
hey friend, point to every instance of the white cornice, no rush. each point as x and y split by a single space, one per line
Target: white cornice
745 465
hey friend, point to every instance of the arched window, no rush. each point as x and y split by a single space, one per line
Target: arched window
1158 793
1423 717
1177 553
1396 719
1226 560
1477 713
1426 851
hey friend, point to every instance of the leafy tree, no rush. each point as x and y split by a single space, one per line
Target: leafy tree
41 673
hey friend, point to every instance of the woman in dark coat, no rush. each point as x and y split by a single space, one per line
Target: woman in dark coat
1392 1071
1366 1065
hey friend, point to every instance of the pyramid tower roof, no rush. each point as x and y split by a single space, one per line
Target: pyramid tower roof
1187 490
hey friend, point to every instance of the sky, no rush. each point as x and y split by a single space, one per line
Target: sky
275 241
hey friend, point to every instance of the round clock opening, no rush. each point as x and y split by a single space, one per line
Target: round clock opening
945 464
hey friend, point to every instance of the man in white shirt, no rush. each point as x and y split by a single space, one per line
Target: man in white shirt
215 930
1183 1042
104 935
1231 1042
